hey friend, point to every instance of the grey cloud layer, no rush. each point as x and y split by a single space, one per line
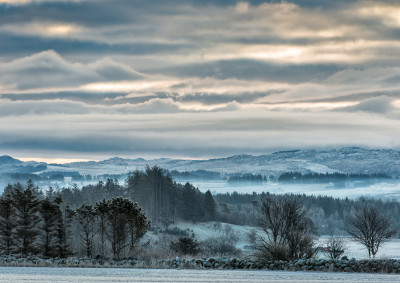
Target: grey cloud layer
197 78
48 69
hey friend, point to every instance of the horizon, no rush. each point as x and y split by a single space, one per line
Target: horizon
157 157
194 79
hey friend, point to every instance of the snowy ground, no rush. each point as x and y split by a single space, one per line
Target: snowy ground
390 249
203 231
47 275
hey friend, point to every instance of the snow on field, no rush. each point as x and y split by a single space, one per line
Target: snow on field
47 275
390 249
203 231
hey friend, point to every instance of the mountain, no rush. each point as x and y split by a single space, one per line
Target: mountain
12 165
346 160
8 160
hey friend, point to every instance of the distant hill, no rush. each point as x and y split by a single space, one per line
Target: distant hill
352 160
8 160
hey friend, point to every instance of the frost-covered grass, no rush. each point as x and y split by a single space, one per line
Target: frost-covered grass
205 230
46 275
390 249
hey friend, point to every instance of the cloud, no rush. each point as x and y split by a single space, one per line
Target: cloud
380 105
194 134
48 69
197 77
111 70
253 70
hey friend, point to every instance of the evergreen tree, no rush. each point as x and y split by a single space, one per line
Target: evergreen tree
138 224
26 206
185 246
209 206
192 203
101 209
64 220
125 220
7 218
49 214
86 216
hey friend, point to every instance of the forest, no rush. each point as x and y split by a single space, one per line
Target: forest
321 178
109 219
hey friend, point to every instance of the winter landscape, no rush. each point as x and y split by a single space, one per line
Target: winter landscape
199 141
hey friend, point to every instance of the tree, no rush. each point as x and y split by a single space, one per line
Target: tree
64 218
122 222
86 216
210 206
138 224
155 191
7 225
49 213
116 216
288 229
26 206
185 246
370 228
192 203
335 247
101 209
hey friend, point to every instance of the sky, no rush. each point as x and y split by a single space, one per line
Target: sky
92 79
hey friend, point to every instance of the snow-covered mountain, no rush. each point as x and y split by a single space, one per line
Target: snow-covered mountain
346 160
12 165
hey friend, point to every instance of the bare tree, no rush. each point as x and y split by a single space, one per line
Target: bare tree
370 228
288 229
335 247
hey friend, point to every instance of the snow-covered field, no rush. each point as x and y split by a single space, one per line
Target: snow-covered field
47 275
390 249
203 231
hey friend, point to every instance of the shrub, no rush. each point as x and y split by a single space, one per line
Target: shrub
185 246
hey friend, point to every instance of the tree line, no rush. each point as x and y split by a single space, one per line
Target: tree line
34 223
328 213
57 222
162 199
289 230
298 177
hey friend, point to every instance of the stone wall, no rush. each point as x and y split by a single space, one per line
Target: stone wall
322 265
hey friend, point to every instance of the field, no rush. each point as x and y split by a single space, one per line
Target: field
47 275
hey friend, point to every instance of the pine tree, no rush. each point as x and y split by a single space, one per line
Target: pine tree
138 224
49 214
7 218
86 216
63 225
101 209
209 206
26 206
